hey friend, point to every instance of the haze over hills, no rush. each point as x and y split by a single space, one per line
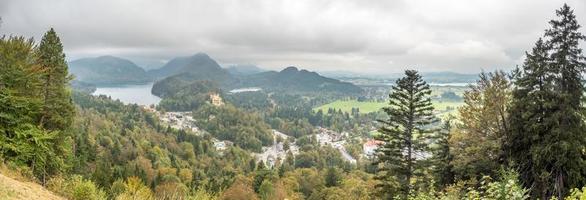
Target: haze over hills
431 77
183 71
209 130
107 70
243 70
199 65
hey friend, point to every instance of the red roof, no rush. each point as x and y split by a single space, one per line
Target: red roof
373 143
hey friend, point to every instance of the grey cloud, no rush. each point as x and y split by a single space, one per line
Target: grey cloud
364 36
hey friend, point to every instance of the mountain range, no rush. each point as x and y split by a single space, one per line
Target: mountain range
198 66
184 71
106 70
430 77
181 72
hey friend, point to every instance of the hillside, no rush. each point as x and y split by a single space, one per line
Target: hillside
199 66
107 70
293 79
244 70
14 189
183 71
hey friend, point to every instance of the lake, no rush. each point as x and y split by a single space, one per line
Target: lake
137 94
250 89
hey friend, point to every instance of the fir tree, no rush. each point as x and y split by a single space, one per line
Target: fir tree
58 109
548 136
406 136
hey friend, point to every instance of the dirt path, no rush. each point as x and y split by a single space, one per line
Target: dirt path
14 189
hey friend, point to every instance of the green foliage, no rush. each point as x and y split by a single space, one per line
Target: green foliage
313 156
577 194
405 134
548 133
450 96
35 112
333 177
250 101
123 141
443 157
58 109
76 188
507 187
135 189
201 194
266 189
246 130
536 127
184 97
476 140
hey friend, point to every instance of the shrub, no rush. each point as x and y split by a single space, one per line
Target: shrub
76 188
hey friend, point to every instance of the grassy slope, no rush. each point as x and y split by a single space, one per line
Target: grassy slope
368 107
14 189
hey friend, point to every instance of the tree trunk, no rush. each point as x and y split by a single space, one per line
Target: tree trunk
45 99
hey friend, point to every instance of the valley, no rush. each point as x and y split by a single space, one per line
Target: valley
333 100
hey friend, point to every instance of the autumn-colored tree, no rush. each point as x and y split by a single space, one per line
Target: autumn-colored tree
134 189
476 140
241 189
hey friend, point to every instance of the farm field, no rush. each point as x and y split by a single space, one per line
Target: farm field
371 106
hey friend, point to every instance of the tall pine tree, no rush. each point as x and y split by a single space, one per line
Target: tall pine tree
548 136
406 134
58 109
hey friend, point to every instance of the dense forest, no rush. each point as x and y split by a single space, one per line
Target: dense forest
518 135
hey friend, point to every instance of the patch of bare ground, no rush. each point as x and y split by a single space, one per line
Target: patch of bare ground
11 188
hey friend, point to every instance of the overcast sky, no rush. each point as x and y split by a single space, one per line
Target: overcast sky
360 36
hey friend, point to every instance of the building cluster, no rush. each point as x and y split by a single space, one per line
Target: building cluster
369 147
334 139
277 152
221 145
180 121
216 99
327 137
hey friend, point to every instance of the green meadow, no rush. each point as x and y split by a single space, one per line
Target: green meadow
371 106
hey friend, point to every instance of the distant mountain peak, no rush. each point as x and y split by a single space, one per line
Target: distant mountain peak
108 57
293 79
197 63
290 69
201 55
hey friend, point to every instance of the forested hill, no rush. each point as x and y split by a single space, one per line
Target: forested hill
107 70
293 79
199 66
185 72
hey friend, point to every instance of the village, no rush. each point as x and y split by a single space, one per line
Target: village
282 143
